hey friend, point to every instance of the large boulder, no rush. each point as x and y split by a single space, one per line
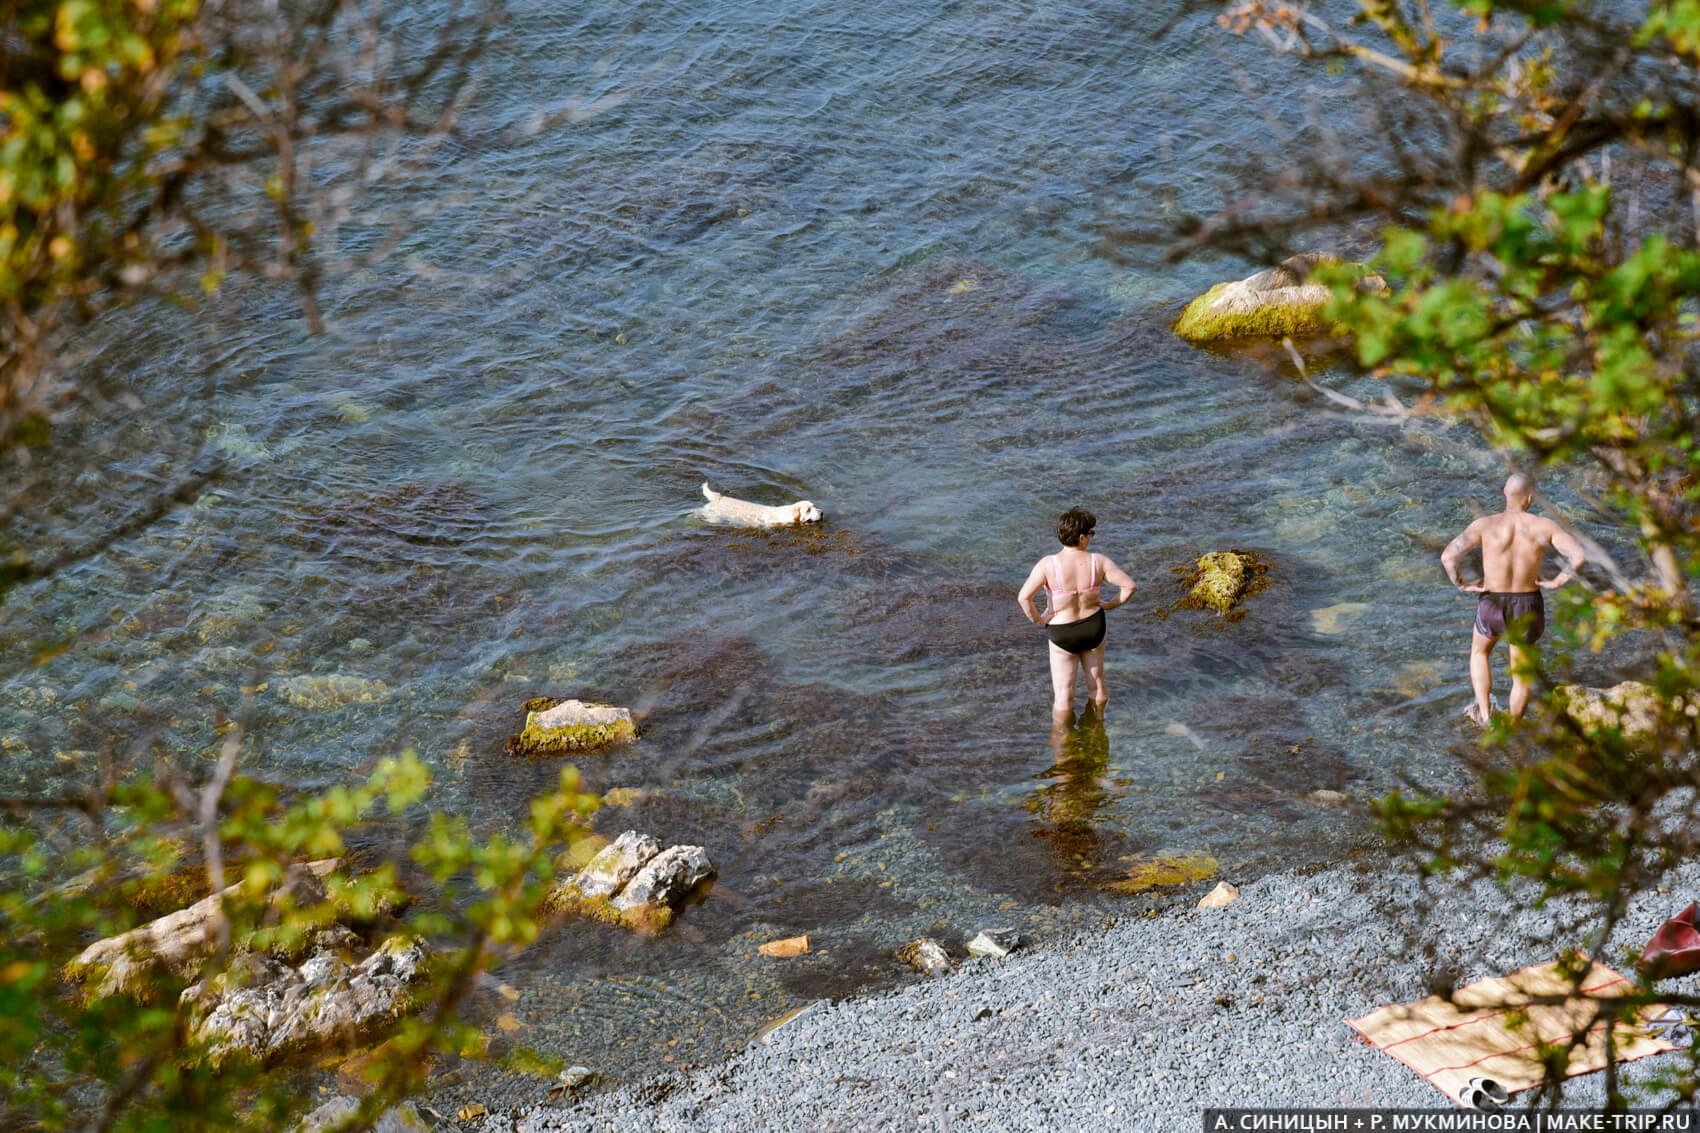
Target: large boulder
260 1009
260 1006
1277 302
666 879
179 943
617 863
634 882
1631 707
560 727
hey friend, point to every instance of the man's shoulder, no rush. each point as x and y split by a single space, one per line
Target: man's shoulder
1538 525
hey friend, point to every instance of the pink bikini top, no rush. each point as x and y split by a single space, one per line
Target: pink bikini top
1083 590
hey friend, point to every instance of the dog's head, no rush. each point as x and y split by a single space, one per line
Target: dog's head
804 512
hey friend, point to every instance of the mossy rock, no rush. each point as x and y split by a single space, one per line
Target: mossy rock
1221 580
1629 707
1279 302
138 963
647 919
554 726
1202 322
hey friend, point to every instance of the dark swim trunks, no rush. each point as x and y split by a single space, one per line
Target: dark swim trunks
1082 636
1494 612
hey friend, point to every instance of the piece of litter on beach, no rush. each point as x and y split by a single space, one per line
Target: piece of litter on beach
994 942
1223 894
784 949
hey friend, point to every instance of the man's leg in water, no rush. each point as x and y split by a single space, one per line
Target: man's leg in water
1093 662
1062 682
1522 661
1481 674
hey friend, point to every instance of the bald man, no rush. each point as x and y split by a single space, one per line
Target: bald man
1514 545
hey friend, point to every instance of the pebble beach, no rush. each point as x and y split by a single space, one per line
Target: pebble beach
1145 1025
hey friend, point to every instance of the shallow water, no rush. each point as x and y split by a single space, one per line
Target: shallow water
850 254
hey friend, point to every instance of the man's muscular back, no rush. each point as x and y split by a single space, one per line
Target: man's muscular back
1514 544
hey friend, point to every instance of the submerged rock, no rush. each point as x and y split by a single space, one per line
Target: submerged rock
634 882
1334 619
1168 869
319 691
1278 302
927 957
557 727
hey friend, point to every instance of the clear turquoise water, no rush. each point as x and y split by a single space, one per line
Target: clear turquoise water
849 253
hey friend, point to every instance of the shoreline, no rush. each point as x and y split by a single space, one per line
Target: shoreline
1141 1026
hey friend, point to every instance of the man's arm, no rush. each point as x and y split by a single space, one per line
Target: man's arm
1118 577
1574 557
1028 589
1468 539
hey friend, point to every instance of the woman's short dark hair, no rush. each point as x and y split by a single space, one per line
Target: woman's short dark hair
1075 522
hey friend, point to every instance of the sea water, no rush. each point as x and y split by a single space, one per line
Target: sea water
873 255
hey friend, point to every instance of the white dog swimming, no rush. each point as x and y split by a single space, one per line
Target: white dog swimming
725 509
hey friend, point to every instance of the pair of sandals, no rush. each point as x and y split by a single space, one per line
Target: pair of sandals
1483 1093
1676 1027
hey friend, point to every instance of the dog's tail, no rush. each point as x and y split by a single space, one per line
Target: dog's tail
708 493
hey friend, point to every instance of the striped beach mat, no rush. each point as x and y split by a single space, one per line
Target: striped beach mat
1499 1028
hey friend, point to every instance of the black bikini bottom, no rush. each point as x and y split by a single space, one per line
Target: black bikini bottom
1082 636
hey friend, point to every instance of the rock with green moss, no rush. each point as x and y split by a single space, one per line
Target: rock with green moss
260 1009
179 943
1630 707
1221 579
260 1006
561 727
1279 302
928 957
666 879
619 862
634 882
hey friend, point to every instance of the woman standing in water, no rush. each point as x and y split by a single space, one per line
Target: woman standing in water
1074 618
